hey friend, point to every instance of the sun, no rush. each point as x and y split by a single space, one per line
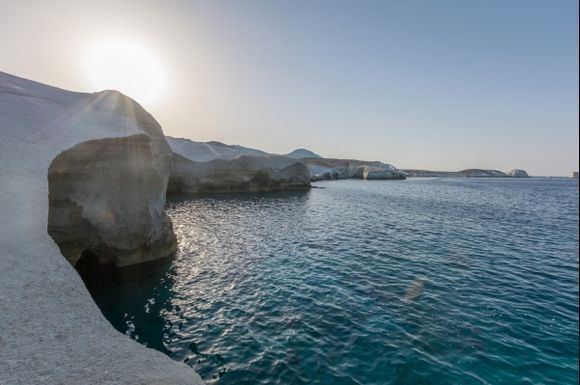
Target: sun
127 68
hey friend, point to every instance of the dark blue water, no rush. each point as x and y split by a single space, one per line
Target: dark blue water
424 281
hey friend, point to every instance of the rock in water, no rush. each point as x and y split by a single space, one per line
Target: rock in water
414 290
518 174
328 168
107 197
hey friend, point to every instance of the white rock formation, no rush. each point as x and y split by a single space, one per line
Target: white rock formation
243 174
52 331
107 198
327 168
207 151
518 174
318 167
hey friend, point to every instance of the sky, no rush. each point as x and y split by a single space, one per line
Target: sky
438 85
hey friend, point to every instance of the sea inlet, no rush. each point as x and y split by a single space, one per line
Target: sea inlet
423 281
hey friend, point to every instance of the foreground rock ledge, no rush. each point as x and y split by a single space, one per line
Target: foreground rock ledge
52 331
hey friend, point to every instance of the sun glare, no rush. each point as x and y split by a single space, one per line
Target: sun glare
126 68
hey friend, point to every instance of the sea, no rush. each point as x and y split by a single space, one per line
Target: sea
421 281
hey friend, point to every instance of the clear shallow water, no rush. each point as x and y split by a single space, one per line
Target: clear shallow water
424 281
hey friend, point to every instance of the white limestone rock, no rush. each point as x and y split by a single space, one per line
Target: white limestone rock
327 168
243 174
518 174
207 151
52 331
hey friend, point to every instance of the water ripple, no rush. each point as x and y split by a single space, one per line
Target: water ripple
429 281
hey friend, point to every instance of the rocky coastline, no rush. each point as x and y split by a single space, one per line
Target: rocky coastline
246 173
88 176
216 167
53 332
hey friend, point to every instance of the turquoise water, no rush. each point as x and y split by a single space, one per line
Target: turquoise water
424 281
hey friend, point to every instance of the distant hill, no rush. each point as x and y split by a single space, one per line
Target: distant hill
301 153
207 151
470 173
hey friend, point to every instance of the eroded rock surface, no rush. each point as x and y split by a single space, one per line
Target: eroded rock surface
243 174
106 196
317 167
52 331
328 168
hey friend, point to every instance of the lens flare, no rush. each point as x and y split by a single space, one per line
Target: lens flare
126 68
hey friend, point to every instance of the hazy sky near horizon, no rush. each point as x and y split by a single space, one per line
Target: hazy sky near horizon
442 85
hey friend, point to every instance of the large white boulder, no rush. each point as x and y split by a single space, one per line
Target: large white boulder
52 331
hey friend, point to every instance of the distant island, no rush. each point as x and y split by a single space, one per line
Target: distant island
469 173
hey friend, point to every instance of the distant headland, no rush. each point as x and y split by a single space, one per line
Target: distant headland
469 173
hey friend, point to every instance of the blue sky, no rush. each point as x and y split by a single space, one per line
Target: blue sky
419 84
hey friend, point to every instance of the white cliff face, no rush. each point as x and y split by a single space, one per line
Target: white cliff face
208 151
326 168
243 174
215 167
317 167
53 332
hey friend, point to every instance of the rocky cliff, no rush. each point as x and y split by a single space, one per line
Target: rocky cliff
243 174
71 146
328 168
271 166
